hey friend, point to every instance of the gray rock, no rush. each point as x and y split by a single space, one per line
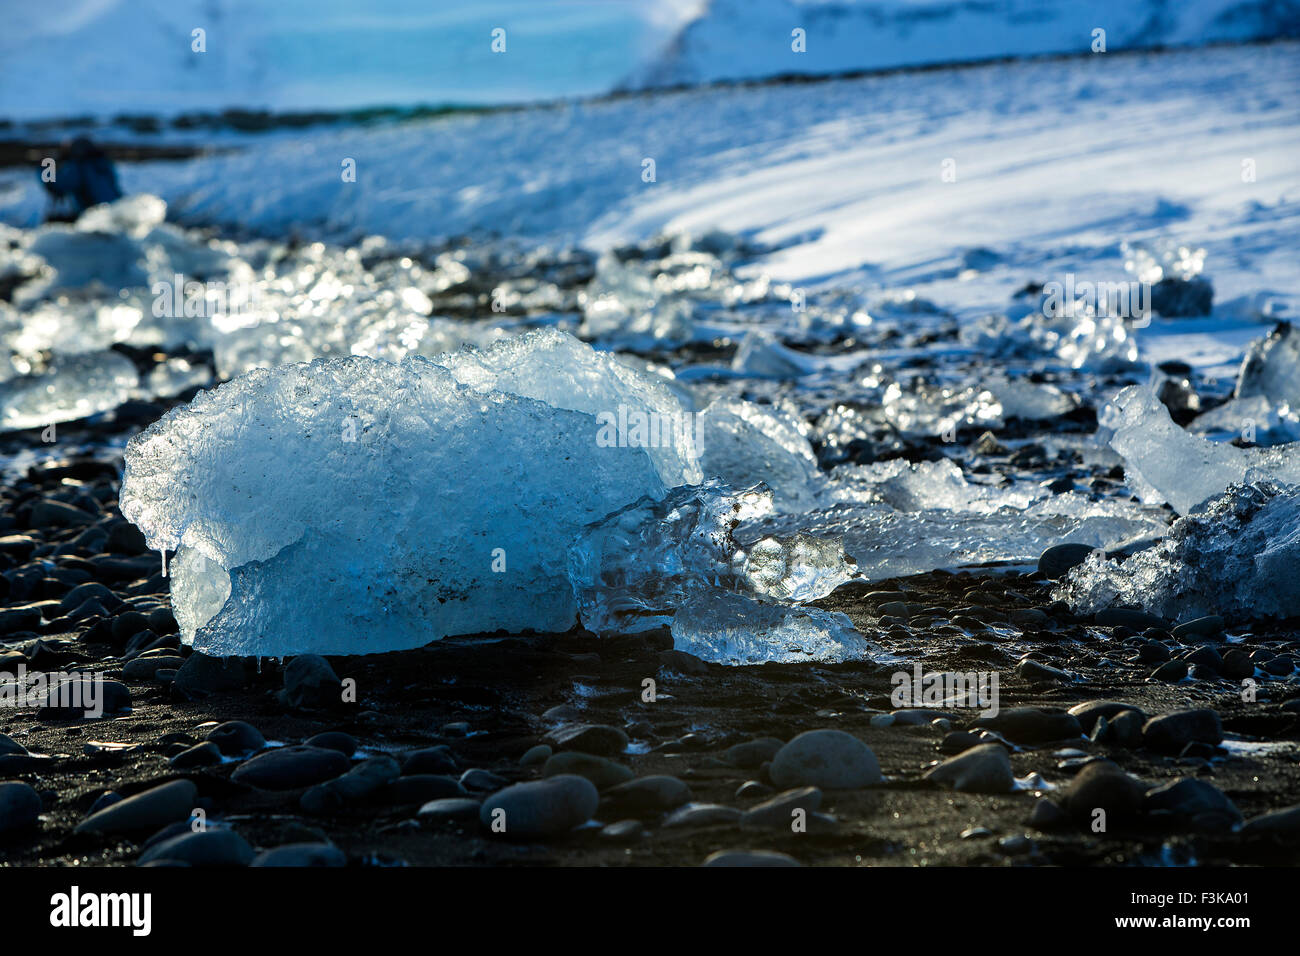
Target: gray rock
1046 815
20 806
80 697
1030 725
202 676
146 668
1060 558
680 662
1194 803
1172 732
205 754
1208 626
601 772
478 779
437 760
451 810
1038 673
1102 785
778 811
623 831
359 783
542 808
750 858
1171 672
829 759
10 746
753 753
1126 617
1277 823
290 768
536 756
597 739
202 848
149 810
982 769
235 738
345 744
302 855
1086 714
423 787
657 794
310 683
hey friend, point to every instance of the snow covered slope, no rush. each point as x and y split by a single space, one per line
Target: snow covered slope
748 39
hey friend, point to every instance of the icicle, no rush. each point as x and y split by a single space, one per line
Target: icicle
162 553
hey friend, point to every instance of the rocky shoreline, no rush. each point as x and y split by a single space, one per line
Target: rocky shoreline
574 750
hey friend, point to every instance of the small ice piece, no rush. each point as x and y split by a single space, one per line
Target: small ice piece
1236 558
354 506
71 387
801 568
1266 399
633 304
1182 468
745 444
1030 401
726 628
631 570
760 355
925 409
176 375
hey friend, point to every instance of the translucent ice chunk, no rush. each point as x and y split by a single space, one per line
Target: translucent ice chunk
1236 558
355 506
632 570
745 444
735 629
71 387
1183 468
1265 407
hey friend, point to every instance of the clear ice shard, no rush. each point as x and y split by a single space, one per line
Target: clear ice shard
69 388
729 628
355 506
745 444
1265 404
1182 468
633 569
1237 558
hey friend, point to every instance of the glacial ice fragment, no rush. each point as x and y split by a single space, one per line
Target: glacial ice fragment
633 569
1237 558
727 628
744 444
1185 469
71 387
1266 401
355 506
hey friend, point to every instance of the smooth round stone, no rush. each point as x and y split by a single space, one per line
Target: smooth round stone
1237 665
1170 672
10 746
302 855
1200 803
658 793
235 738
450 809
206 754
1088 713
1030 725
1038 673
20 806
601 772
536 756
753 753
829 759
1170 733
345 744
476 778
750 858
982 769
1047 815
358 784
1103 786
540 808
703 815
290 768
437 760
1059 559
753 790
1208 626
149 810
623 831
598 739
81 697
204 848
778 811
1283 823
310 682
147 668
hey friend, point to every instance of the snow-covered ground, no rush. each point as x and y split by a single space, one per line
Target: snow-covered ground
962 185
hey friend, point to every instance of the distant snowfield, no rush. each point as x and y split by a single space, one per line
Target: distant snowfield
1055 164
